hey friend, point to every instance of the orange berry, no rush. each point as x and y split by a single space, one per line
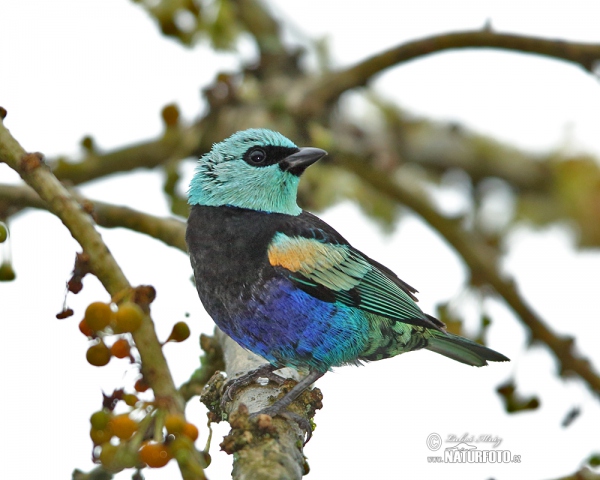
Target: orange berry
191 431
85 328
180 332
123 426
155 455
141 386
98 315
120 348
174 423
98 355
128 318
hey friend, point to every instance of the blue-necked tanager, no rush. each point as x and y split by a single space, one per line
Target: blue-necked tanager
283 283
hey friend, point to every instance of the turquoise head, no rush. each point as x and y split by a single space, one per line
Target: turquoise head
257 169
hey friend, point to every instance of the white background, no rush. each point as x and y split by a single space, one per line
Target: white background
70 68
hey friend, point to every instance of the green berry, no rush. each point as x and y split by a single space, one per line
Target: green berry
107 454
99 420
7 274
98 355
180 332
3 232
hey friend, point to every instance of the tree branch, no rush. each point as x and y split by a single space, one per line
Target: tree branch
329 87
170 231
59 201
482 260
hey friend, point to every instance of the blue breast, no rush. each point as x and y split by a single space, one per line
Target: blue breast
289 327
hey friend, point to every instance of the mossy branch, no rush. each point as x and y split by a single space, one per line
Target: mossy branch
61 203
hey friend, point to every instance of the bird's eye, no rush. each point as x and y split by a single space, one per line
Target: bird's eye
257 156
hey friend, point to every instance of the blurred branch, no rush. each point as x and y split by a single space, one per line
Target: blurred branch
482 260
329 87
262 26
219 21
61 203
147 155
177 142
211 361
440 147
547 187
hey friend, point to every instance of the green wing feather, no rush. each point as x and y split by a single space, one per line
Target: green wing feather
337 272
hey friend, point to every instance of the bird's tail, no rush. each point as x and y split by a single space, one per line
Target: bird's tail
462 349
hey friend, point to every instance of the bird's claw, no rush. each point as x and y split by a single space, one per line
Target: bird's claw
232 386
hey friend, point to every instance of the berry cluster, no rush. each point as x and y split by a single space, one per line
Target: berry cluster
146 435
122 442
99 318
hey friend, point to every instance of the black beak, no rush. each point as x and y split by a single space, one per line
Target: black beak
300 161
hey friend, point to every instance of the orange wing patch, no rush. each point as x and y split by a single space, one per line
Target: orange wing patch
333 266
304 255
340 269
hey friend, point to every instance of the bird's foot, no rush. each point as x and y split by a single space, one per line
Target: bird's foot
301 421
264 371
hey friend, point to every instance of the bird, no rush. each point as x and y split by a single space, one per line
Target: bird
287 286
